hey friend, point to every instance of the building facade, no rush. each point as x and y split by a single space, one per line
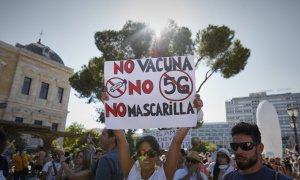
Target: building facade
34 87
217 133
243 109
214 132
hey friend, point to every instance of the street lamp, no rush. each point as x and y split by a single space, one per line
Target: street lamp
293 113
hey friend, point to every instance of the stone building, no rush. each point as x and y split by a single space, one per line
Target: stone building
34 87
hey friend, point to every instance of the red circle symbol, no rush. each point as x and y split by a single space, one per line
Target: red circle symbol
175 85
116 87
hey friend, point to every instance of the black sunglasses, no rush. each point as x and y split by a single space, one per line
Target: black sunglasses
151 153
246 146
193 161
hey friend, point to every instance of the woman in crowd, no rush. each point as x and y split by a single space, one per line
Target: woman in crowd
148 152
191 169
82 167
222 166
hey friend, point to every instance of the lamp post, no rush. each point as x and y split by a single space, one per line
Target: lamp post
293 113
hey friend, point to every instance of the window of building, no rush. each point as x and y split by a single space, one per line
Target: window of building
54 127
26 85
19 120
46 52
44 90
38 122
60 93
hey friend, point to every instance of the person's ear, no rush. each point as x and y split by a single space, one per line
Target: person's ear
260 147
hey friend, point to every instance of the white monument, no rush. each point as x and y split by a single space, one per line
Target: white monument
268 123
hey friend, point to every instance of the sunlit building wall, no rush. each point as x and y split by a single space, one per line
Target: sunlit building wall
34 87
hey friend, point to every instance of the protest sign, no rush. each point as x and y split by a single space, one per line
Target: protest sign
164 138
150 93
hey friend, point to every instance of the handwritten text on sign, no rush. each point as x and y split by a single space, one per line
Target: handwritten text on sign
150 93
164 138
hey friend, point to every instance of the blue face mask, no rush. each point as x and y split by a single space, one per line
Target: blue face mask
223 166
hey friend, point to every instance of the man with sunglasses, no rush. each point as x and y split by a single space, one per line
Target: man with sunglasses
191 171
247 147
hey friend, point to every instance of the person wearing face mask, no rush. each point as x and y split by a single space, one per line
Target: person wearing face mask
222 166
191 171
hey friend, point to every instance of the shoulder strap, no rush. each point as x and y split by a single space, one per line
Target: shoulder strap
54 168
22 161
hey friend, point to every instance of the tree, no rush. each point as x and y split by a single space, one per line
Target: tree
73 144
214 45
19 143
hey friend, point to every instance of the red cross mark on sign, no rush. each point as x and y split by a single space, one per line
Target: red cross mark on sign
176 85
116 87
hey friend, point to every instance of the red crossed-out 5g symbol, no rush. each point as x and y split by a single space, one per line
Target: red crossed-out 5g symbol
175 85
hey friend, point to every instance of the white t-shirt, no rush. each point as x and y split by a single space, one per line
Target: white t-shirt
51 175
2 176
135 173
180 173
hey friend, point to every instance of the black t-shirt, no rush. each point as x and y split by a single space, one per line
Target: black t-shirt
264 173
4 165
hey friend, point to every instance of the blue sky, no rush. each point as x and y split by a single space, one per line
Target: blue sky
270 28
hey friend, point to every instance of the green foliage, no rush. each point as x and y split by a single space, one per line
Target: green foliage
130 140
110 44
19 143
206 147
89 81
138 38
174 41
215 45
232 61
211 147
73 144
214 40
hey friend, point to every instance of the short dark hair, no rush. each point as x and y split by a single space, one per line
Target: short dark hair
149 139
110 133
247 129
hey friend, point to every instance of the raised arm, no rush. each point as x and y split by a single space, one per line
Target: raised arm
173 154
71 174
126 161
6 148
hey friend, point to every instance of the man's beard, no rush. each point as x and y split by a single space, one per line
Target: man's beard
250 163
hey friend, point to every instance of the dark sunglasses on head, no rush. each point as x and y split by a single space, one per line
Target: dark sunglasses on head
193 161
246 146
151 153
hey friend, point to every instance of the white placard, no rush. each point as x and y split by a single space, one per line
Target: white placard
164 138
150 93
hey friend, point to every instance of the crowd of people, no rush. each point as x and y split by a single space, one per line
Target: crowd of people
243 161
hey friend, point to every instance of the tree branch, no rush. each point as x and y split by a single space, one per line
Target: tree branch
199 60
208 74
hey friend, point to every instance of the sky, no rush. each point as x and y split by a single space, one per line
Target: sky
269 28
